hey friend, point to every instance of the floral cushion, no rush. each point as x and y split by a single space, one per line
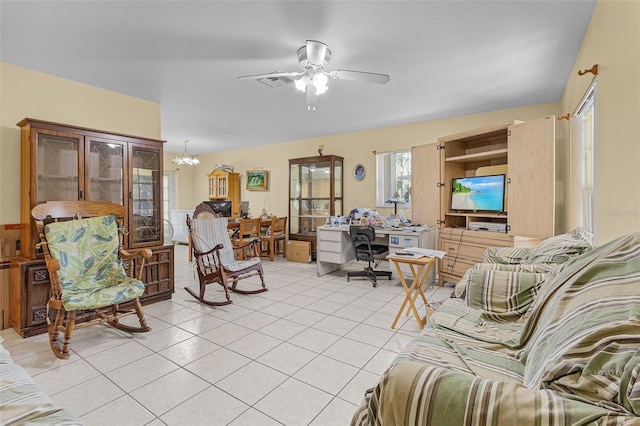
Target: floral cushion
90 272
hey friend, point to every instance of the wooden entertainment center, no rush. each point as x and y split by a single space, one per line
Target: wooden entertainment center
63 162
524 151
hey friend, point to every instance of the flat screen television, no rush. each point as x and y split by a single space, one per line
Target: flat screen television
222 208
478 193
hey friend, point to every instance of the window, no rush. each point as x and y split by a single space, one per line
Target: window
583 145
168 194
393 174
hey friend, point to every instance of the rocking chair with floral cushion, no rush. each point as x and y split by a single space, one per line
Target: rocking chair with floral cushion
215 262
91 275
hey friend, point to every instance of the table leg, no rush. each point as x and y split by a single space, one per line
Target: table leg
421 277
408 296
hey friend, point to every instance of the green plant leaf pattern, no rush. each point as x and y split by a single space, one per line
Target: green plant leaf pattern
91 275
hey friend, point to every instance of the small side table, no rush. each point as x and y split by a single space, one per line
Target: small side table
420 267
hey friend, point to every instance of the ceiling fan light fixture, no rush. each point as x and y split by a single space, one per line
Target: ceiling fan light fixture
185 159
320 83
301 83
313 79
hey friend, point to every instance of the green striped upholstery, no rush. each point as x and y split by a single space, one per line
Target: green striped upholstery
562 247
462 285
506 255
573 358
553 250
91 274
503 295
456 318
583 336
424 394
22 401
208 233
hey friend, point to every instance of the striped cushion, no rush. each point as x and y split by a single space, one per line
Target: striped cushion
562 247
418 393
239 265
465 281
502 295
463 323
22 401
506 255
208 233
584 328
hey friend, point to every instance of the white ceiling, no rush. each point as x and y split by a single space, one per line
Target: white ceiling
445 58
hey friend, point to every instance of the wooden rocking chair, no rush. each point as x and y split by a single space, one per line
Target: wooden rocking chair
91 275
215 263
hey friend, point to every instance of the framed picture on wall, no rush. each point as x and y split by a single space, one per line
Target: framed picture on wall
359 172
257 180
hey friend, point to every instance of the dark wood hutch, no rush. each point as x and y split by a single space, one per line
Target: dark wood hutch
64 162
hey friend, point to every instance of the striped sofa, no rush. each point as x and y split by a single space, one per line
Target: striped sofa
553 347
22 401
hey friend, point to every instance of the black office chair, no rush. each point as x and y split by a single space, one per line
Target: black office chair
364 238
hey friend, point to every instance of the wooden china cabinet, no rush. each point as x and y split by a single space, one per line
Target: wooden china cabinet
63 162
225 186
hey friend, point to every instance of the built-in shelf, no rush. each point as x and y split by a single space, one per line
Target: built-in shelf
479 156
478 214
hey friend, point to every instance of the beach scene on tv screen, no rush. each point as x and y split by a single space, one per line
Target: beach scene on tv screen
478 193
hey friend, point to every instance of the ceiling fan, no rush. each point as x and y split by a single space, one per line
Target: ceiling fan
313 78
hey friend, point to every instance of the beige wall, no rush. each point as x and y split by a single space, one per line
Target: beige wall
612 41
27 93
356 148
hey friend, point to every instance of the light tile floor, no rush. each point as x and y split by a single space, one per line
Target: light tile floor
302 353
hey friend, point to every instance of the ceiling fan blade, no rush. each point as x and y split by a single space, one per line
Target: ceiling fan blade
367 77
272 75
316 53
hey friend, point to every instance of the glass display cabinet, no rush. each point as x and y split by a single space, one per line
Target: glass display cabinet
315 194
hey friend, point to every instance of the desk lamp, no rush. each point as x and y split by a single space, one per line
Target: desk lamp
395 200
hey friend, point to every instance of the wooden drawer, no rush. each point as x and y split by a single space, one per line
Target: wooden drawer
455 266
460 249
466 248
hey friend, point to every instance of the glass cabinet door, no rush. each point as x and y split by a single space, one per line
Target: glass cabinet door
105 165
315 193
337 188
58 177
145 225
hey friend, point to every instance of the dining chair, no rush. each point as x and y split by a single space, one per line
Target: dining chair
248 231
274 239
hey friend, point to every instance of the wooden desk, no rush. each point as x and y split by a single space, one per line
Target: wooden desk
420 268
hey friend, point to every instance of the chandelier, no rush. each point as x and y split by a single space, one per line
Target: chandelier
185 159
